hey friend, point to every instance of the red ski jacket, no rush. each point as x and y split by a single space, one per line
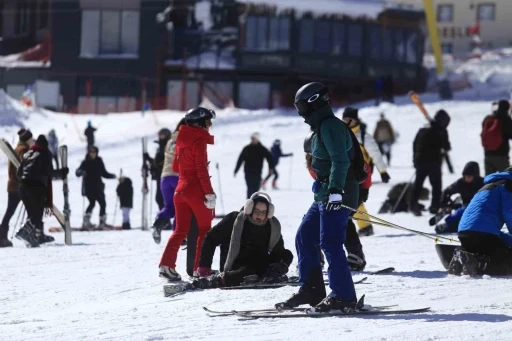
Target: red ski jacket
191 159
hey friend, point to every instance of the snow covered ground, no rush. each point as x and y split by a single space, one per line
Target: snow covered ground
106 286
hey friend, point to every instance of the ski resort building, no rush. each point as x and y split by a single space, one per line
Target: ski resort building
123 55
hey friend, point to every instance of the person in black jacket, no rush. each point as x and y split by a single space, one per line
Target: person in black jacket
89 134
125 193
157 164
252 156
429 146
497 159
277 154
93 169
251 247
467 186
35 174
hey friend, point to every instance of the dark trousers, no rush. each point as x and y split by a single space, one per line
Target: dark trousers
352 241
159 197
100 198
486 244
34 199
385 149
236 277
275 174
13 199
433 172
56 159
495 163
253 182
328 230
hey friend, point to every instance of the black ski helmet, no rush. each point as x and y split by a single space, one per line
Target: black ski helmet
311 97
165 132
199 116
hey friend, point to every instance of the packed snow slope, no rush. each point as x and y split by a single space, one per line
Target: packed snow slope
106 286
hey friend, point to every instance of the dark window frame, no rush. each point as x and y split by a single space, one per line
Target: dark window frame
438 12
343 46
267 36
447 44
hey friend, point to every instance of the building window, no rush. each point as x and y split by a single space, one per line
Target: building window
109 33
355 43
306 36
447 48
444 13
322 37
43 14
400 45
412 47
486 12
279 35
267 33
388 44
375 42
22 19
338 38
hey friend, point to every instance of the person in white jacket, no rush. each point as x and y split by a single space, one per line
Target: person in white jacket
168 183
372 156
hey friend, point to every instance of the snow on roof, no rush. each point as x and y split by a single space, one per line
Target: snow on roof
352 8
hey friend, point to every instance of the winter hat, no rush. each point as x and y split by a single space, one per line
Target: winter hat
256 198
91 148
351 113
277 142
256 136
24 135
165 132
471 168
42 141
503 107
442 118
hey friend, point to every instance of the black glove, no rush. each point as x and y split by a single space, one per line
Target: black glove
64 171
333 201
146 157
363 194
385 177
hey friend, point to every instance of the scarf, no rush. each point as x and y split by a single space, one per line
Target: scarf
236 237
49 195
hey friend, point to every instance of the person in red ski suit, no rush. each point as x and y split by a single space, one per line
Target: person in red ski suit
194 194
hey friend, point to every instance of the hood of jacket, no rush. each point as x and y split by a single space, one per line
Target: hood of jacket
188 135
314 119
506 175
471 168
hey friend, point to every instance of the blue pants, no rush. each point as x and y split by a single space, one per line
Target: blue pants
452 221
326 229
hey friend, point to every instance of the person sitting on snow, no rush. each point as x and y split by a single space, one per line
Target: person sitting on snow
467 187
251 244
484 248
399 198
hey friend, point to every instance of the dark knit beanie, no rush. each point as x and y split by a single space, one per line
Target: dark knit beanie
352 113
42 141
24 135
503 106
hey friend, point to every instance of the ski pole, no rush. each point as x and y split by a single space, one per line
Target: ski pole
220 188
17 220
388 224
403 193
21 222
290 173
151 200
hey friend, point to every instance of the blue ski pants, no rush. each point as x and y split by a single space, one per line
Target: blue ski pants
326 229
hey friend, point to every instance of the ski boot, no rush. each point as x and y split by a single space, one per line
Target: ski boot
210 282
366 231
473 264
157 227
41 237
169 273
103 222
356 262
195 274
126 226
27 234
306 295
4 242
455 266
86 224
332 303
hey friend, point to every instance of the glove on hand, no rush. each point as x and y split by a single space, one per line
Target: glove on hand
334 201
385 177
210 201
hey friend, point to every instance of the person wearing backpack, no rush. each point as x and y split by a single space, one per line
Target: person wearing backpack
496 131
325 224
371 154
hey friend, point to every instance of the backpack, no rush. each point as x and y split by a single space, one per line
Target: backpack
492 133
357 163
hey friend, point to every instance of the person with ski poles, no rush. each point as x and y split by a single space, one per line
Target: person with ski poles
194 194
325 223
168 184
89 134
277 154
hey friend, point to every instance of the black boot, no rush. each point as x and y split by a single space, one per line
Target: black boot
356 262
473 264
311 293
157 227
366 231
455 267
4 242
211 282
28 235
41 237
332 303
126 226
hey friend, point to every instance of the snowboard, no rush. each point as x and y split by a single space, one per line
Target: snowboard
191 246
445 253
11 155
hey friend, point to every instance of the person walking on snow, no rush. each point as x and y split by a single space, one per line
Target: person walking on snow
252 157
92 169
13 194
371 154
325 223
496 131
251 246
277 154
124 191
157 164
168 184
384 135
53 146
89 134
194 194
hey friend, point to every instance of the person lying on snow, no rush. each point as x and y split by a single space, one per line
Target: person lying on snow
252 247
399 198
484 248
467 187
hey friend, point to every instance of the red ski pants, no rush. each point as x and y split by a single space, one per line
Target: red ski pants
187 205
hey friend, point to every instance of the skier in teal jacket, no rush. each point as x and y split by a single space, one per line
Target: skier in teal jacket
325 223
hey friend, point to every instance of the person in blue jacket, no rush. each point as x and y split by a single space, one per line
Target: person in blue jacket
485 248
276 153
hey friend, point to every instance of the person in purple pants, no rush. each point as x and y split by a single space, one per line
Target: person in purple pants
168 183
